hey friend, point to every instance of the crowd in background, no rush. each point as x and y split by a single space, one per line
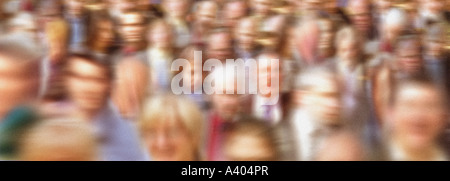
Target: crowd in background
93 80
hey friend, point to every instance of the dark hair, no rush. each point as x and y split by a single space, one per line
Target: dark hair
90 58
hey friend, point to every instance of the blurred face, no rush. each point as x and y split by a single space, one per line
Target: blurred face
434 6
176 8
261 7
169 141
267 73
234 11
226 105
221 48
105 33
132 27
207 13
75 7
88 84
383 5
246 33
360 15
418 117
249 148
409 57
125 5
392 32
17 84
312 5
330 6
161 36
326 38
435 47
348 51
323 101
57 51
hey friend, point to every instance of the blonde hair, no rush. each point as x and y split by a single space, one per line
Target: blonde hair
59 139
57 31
176 110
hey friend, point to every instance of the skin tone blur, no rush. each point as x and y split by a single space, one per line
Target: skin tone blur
88 85
220 46
267 72
169 141
206 12
132 27
18 85
409 58
74 7
234 11
360 15
348 52
242 147
105 35
176 9
418 119
322 100
261 8
326 38
245 34
161 37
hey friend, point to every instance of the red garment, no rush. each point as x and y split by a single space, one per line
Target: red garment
216 137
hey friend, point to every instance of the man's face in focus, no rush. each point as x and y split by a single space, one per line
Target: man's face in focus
132 27
419 116
18 84
88 84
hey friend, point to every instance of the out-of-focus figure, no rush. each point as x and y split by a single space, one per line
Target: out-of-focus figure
226 109
251 139
78 19
171 129
436 58
246 32
89 84
316 112
59 139
342 147
407 63
159 55
220 44
20 70
306 44
327 47
130 87
360 14
430 11
351 72
205 17
233 11
395 22
175 14
102 36
132 32
417 119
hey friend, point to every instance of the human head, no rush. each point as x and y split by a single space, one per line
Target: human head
132 27
171 128
19 67
245 33
251 139
395 22
102 32
408 53
160 34
226 101
220 45
176 8
434 40
317 92
269 74
59 139
327 35
348 45
306 41
206 12
75 7
418 112
261 8
360 16
88 82
343 146
433 6
58 38
234 10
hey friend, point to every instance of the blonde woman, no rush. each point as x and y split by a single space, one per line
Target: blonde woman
171 128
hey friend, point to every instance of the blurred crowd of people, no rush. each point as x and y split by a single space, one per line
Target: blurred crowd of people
92 79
